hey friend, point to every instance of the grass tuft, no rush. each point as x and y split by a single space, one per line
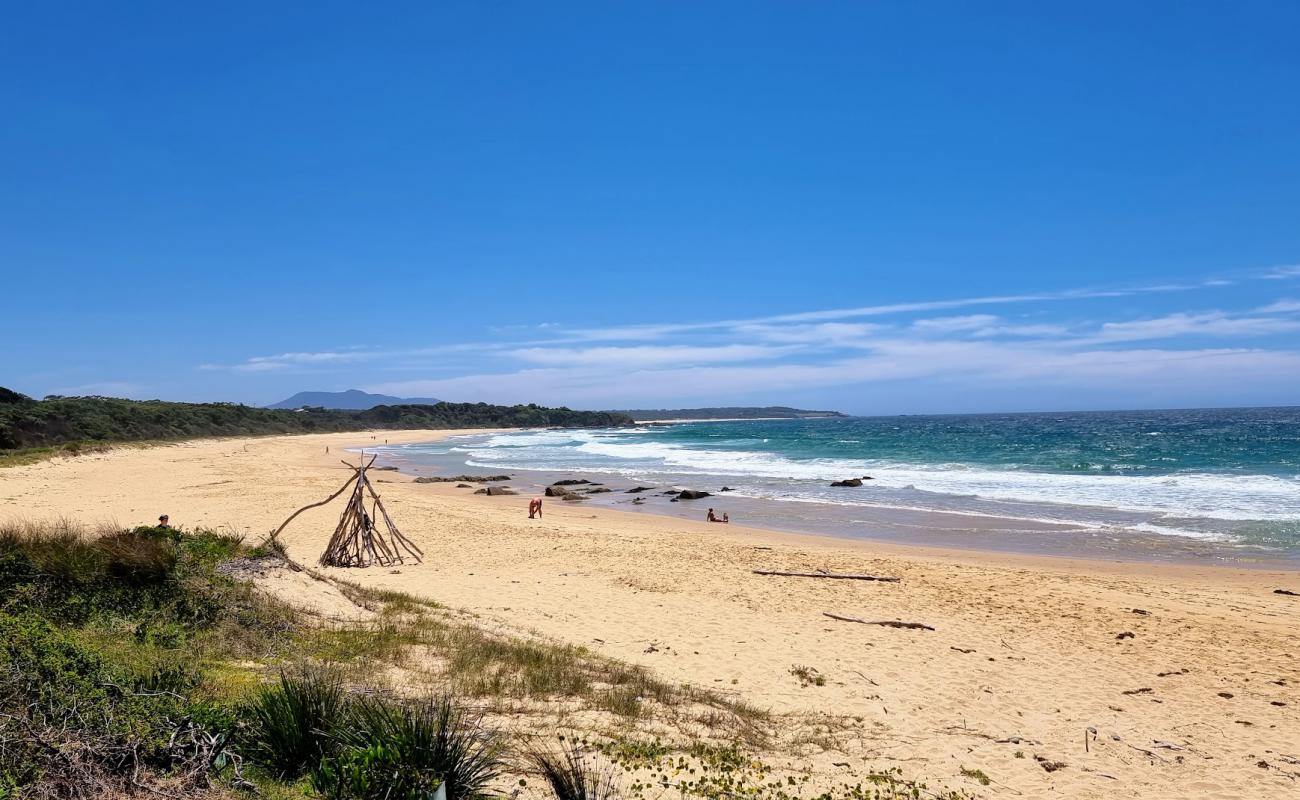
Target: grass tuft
575 772
291 722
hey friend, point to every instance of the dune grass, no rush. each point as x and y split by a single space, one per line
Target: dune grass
132 664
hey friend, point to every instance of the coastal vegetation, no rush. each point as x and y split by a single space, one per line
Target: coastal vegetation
72 424
146 662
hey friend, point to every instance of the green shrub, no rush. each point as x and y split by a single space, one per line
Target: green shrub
576 774
431 739
291 722
379 770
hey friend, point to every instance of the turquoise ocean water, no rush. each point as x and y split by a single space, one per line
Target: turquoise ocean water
1230 477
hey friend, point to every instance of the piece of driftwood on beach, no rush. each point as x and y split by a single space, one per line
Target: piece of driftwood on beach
831 575
888 623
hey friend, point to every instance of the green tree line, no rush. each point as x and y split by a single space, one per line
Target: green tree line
26 423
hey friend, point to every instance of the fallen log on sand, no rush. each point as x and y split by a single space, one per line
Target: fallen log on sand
888 623
831 575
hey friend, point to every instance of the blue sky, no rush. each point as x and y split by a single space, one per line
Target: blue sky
877 207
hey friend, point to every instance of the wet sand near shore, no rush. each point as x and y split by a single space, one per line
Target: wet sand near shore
1143 680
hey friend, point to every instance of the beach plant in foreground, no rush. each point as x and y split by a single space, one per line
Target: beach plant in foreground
405 749
573 772
291 722
377 770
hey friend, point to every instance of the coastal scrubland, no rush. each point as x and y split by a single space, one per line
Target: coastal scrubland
156 662
33 429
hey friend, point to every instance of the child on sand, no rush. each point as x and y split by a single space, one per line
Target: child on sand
535 508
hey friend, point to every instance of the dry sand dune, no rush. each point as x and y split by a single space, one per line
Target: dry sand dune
1031 664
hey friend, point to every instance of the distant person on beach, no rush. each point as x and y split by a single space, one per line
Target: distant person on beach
711 517
163 521
535 508
725 518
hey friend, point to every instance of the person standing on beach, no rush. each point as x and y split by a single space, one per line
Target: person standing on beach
535 508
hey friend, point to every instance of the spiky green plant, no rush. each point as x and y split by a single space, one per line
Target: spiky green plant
576 773
429 738
291 722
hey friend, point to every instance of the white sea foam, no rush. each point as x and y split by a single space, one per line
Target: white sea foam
1201 495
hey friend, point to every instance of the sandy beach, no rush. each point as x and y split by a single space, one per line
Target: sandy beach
1138 680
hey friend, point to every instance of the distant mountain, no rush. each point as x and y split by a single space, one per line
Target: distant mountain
351 400
728 412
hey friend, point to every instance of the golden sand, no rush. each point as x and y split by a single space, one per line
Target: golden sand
1026 662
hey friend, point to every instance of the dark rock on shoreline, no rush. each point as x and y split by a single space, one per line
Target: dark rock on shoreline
564 494
462 479
597 490
571 482
849 482
494 491
691 494
638 489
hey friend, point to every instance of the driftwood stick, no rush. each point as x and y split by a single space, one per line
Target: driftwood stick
888 623
284 524
832 575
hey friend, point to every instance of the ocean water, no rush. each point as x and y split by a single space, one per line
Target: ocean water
1224 476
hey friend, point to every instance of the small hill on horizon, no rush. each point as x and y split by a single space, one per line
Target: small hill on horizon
350 400
726 412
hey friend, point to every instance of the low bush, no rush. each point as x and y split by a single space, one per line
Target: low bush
291 722
433 739
576 773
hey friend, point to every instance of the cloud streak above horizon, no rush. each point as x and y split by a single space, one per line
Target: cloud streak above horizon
899 344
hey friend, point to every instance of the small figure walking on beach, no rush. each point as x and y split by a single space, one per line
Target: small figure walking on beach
535 508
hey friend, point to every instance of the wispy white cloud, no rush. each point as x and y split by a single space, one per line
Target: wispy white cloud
970 322
105 389
1215 324
837 334
1280 307
1283 272
1013 366
289 360
860 346
645 355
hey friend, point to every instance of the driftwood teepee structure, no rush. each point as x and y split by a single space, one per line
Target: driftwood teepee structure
358 540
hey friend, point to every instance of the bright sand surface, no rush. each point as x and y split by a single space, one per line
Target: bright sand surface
1202 701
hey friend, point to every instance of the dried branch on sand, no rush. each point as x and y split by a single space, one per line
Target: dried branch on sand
831 575
888 623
